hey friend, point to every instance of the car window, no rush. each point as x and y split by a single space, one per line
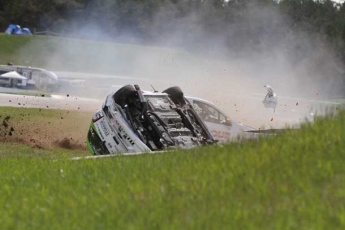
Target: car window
222 118
27 74
35 75
208 112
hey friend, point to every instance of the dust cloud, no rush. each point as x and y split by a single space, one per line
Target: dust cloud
227 65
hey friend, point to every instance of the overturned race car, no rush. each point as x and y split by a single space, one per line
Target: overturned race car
134 121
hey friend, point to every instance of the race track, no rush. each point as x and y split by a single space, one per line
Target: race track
86 92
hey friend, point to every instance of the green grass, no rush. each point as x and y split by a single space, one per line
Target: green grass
11 150
9 46
291 181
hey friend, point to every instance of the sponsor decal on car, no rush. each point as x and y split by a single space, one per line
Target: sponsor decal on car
129 139
220 134
104 128
100 133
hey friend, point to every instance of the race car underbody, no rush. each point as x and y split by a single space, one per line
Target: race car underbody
135 121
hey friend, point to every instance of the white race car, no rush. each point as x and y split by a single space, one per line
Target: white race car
221 127
134 121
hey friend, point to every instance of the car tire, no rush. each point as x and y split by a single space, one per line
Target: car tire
176 94
123 93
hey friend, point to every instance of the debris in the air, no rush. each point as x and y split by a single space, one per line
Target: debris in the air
67 95
272 119
5 121
296 103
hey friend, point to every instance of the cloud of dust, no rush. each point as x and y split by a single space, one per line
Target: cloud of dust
228 64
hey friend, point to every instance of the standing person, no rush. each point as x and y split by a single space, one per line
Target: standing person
271 99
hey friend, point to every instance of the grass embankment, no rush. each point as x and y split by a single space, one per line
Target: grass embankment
9 46
292 181
66 54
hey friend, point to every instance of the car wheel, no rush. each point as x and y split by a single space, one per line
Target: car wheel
176 94
123 93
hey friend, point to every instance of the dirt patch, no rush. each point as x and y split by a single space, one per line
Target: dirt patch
69 143
5 121
45 143
45 129
5 129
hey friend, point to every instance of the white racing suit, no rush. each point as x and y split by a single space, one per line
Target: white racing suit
271 99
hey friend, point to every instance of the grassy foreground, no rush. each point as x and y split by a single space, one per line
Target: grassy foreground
293 181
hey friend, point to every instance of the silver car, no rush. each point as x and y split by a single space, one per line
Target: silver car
135 121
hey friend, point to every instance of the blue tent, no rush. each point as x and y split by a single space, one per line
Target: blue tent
13 29
26 31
